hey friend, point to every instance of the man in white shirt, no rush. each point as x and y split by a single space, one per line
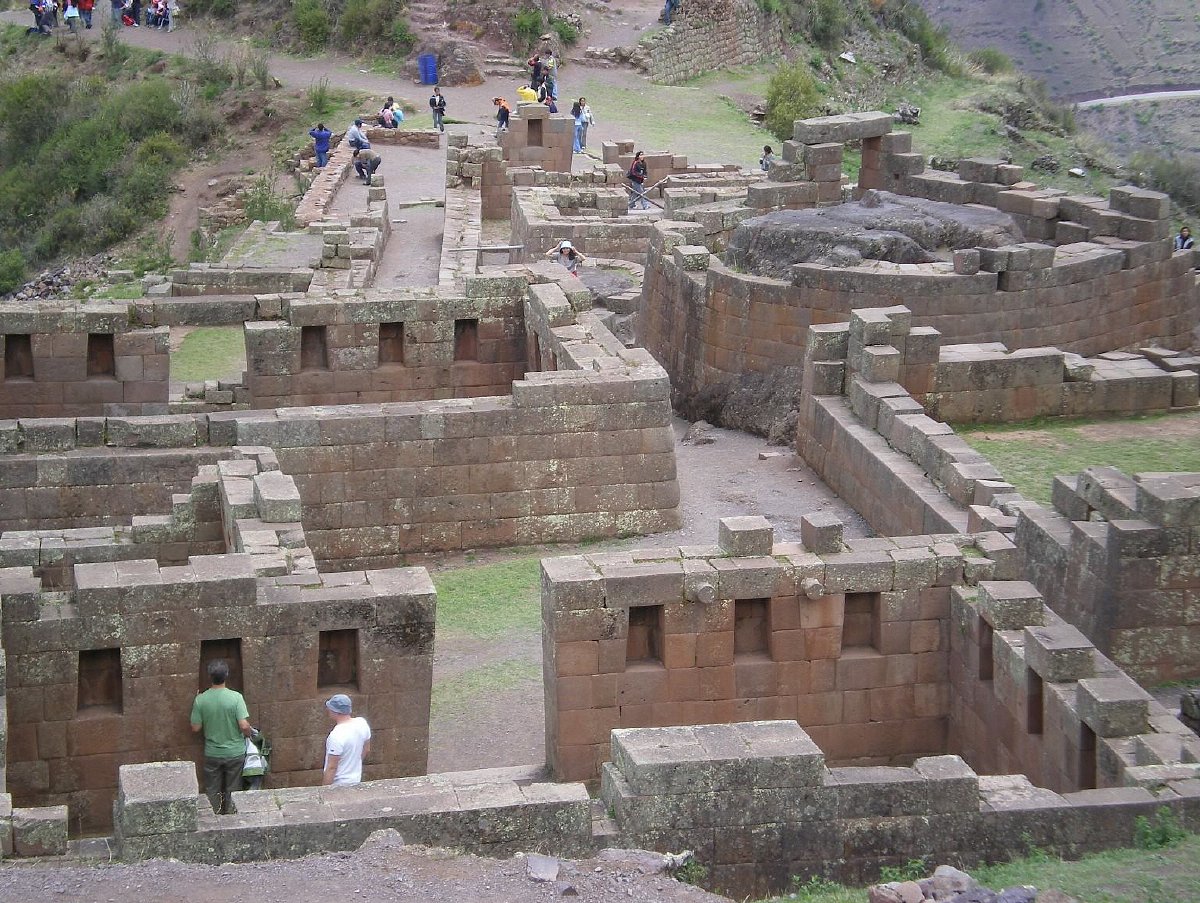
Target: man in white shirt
347 744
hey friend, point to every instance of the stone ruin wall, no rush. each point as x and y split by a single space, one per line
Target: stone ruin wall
389 347
65 359
1117 557
107 631
758 800
1094 276
708 35
1120 557
883 650
851 642
494 172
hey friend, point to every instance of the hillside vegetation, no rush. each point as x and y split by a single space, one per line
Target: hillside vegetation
1083 47
89 143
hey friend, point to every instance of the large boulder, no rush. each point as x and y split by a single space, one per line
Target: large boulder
881 226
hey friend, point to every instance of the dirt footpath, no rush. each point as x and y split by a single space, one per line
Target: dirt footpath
382 871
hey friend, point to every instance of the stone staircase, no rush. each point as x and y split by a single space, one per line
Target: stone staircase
501 66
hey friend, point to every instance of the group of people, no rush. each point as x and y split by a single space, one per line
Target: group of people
220 714
127 13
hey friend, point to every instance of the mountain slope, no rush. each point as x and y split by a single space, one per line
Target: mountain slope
1083 47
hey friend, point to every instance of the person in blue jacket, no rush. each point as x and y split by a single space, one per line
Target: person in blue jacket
320 136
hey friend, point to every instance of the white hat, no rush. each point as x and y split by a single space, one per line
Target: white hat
564 244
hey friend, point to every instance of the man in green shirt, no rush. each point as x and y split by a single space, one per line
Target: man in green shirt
221 713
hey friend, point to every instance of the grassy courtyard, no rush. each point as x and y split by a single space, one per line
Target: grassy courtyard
1031 454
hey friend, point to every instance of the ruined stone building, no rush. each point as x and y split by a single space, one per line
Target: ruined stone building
966 680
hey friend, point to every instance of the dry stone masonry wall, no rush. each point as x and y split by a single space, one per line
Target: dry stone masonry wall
62 359
102 660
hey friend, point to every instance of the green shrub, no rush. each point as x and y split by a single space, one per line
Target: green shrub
12 270
403 38
312 21
830 23
527 28
1163 831
355 22
264 203
991 60
566 32
906 17
792 94
1177 176
692 872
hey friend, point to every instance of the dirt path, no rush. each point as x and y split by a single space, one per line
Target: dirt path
413 252
382 871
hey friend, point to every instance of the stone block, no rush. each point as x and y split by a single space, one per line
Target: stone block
277 498
821 533
1059 653
40 832
745 536
1010 604
156 798
1113 706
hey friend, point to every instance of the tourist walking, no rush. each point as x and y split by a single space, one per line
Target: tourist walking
320 136
347 744
118 7
71 15
1184 240
588 120
502 112
637 181
221 714
85 11
577 115
567 255
768 157
437 103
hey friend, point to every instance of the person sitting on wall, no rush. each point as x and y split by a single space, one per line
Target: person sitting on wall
767 158
356 137
366 161
222 715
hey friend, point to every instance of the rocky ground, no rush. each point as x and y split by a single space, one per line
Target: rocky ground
382 871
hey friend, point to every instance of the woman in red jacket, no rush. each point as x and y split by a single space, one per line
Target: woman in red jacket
85 8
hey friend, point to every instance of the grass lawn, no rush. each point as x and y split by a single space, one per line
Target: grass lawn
684 120
211 352
1119 876
491 599
1030 454
459 694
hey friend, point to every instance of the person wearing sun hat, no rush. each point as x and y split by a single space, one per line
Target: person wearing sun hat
347 744
567 254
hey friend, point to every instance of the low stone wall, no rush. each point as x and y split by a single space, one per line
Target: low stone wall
704 36
64 359
489 813
105 682
592 219
1094 276
758 804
